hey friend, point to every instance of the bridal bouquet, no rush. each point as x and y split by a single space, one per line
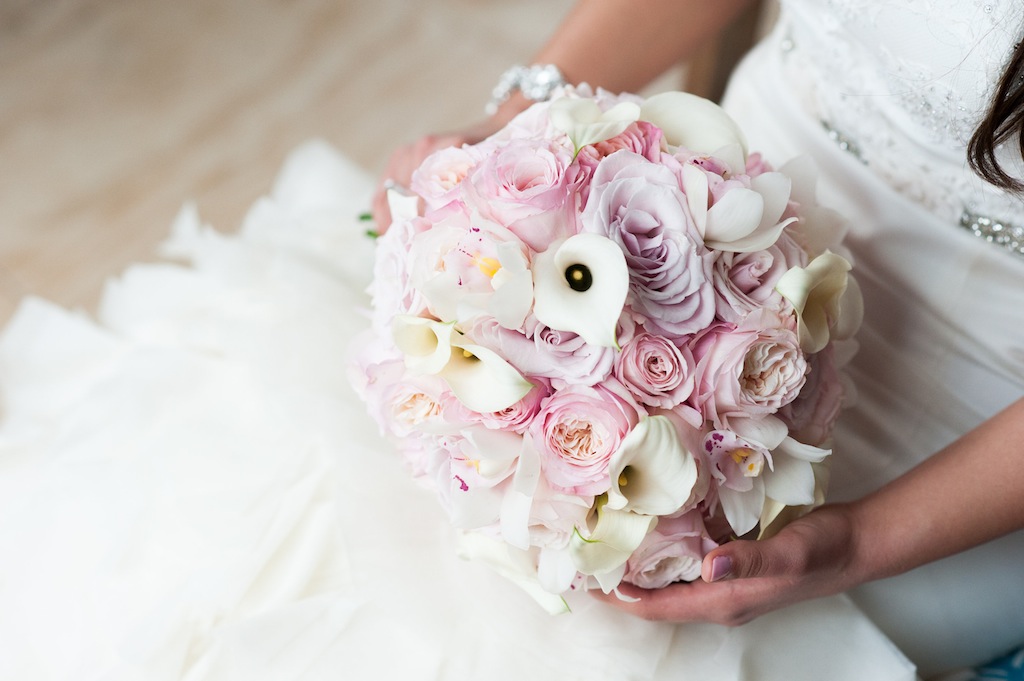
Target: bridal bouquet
609 337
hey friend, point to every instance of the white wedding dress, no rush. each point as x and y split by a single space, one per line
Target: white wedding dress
884 96
189 488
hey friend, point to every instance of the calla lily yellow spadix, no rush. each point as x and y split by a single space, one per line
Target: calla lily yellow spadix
652 473
593 310
478 377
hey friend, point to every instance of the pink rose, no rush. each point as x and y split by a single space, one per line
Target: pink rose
757 165
577 431
747 371
392 290
640 206
657 372
438 178
516 418
672 552
745 282
563 357
813 414
523 186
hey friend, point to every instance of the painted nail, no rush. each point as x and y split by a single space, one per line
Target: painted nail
721 567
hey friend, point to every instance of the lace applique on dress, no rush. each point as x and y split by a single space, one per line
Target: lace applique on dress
903 84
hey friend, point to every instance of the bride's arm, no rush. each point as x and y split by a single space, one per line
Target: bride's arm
965 495
620 45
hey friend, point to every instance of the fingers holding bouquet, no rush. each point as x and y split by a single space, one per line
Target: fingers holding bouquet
813 556
404 161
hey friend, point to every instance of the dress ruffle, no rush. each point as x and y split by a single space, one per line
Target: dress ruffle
190 489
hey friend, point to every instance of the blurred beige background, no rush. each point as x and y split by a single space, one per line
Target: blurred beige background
115 112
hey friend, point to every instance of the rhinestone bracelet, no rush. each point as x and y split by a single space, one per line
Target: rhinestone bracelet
536 82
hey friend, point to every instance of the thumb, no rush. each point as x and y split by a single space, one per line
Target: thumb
743 559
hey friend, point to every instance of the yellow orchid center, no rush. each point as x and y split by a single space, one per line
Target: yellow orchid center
489 266
740 454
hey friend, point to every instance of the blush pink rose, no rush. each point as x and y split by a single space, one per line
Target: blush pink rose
812 416
747 371
745 282
577 431
641 206
515 418
523 186
562 357
672 552
656 371
437 180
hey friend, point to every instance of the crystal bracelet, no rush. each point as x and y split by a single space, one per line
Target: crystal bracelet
536 82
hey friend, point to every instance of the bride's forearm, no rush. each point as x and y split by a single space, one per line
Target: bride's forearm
967 494
622 45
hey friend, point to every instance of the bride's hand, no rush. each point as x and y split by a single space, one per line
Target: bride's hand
813 556
407 158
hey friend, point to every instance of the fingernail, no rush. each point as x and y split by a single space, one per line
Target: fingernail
721 567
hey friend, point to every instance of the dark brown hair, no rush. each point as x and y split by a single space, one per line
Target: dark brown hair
1004 121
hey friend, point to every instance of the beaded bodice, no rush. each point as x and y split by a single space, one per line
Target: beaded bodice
902 85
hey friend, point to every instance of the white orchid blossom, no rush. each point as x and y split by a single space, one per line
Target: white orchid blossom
611 541
698 125
743 220
826 303
477 376
508 300
652 473
513 288
580 285
787 480
583 121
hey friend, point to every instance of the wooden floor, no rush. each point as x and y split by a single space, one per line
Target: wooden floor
113 113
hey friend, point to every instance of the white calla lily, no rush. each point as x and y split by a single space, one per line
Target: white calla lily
580 285
612 540
817 293
480 378
514 564
697 124
585 123
652 473
425 343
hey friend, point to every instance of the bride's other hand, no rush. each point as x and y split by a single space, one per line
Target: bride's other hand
406 159
965 495
812 556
